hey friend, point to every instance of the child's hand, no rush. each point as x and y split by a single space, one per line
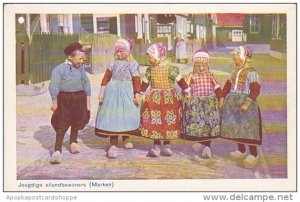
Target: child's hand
54 105
88 105
188 95
244 107
101 94
100 97
246 104
137 99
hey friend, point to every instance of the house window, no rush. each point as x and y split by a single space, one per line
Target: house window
254 24
277 26
237 35
64 24
103 25
164 30
107 25
87 22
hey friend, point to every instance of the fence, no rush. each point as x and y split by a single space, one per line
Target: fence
36 59
102 50
101 47
140 48
46 51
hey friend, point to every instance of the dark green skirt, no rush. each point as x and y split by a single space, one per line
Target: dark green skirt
238 125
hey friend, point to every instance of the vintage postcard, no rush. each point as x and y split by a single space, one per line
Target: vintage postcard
149 97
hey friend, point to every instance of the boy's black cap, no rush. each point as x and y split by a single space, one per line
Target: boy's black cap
72 47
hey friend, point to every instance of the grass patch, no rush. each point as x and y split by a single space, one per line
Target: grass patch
275 127
266 66
272 102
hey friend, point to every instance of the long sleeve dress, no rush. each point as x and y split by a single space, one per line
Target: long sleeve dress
118 114
238 125
201 116
162 106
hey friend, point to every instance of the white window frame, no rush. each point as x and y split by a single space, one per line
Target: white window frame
276 20
237 35
101 32
65 21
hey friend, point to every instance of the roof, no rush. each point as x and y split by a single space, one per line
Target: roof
230 19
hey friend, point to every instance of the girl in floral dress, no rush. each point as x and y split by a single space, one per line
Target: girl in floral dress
162 107
118 115
201 117
241 118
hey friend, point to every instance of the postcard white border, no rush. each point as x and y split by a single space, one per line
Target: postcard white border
10 182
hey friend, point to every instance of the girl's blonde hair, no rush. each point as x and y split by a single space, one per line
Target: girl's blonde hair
200 62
